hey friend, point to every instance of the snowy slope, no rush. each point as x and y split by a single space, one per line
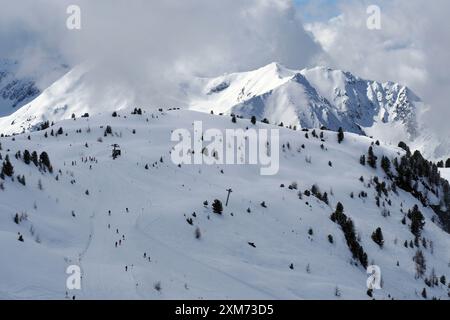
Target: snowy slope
64 225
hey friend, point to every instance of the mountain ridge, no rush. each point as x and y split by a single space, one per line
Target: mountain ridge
307 98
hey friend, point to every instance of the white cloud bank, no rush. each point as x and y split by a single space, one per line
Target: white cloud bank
140 41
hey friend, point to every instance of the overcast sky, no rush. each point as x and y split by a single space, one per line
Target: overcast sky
148 40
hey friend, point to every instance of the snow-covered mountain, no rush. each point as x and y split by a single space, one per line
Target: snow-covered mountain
312 98
143 227
309 98
17 89
14 92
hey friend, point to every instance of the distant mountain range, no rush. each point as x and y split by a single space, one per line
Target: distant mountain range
308 98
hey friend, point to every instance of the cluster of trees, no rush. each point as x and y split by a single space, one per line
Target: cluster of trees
316 192
43 161
441 164
420 177
371 158
416 175
7 168
386 165
137 111
44 125
421 266
348 228
417 221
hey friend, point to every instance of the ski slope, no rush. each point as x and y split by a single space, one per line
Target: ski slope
65 225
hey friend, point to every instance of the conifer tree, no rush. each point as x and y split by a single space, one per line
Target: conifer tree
8 169
372 159
377 237
45 161
424 293
27 157
417 221
340 135
362 160
421 266
386 165
217 206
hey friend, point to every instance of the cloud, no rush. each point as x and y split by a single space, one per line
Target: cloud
147 46
149 43
411 48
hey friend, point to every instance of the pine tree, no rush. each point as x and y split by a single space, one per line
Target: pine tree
233 118
421 266
447 163
27 157
108 130
424 293
253 120
330 239
405 147
362 160
339 208
217 206
386 165
45 160
417 221
377 237
34 158
21 180
8 169
372 159
198 233
340 135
